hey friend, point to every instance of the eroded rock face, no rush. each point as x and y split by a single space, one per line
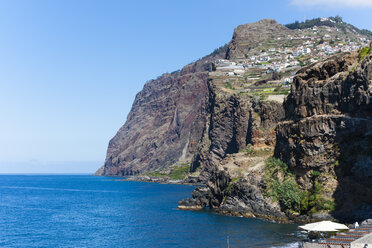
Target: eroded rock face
270 113
234 181
246 198
162 127
329 129
171 117
166 122
233 122
228 129
247 36
186 116
337 86
241 196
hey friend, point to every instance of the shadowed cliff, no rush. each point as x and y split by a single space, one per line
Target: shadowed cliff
329 131
226 130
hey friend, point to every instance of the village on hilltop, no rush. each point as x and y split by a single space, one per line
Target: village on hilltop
271 70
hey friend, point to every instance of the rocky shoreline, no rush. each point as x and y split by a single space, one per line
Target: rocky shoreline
162 180
297 161
325 140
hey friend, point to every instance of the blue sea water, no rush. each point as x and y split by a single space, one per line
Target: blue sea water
86 211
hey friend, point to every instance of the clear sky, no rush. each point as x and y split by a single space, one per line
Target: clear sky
70 69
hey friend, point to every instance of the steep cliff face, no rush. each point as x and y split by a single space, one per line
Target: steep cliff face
326 140
228 128
222 126
328 132
238 136
233 122
168 117
164 125
339 85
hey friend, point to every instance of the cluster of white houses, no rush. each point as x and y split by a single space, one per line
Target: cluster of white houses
229 67
287 58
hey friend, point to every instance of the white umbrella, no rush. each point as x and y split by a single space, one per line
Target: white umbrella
324 226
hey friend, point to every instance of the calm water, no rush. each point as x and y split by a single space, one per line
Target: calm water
86 211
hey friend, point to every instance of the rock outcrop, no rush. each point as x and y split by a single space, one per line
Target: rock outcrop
165 123
162 127
247 37
329 130
236 194
239 126
323 132
326 139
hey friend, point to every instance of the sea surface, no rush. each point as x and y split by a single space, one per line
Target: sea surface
86 211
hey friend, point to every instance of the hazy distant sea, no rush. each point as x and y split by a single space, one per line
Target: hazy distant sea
86 211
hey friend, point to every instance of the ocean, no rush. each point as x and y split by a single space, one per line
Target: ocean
86 211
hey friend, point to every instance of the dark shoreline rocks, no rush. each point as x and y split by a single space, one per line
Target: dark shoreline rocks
323 128
152 179
328 129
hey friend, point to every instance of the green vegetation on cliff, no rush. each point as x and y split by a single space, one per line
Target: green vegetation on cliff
228 189
176 173
336 22
313 201
249 151
180 172
364 52
281 186
228 85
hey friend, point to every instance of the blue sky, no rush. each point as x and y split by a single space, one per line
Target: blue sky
69 70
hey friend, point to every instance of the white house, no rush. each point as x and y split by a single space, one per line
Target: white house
306 50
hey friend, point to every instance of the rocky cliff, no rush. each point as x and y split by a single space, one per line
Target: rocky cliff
325 138
168 117
162 127
249 38
226 131
165 123
329 132
238 137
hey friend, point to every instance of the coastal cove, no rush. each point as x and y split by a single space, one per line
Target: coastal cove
214 122
81 210
186 124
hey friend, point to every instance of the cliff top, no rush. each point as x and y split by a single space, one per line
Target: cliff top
335 22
